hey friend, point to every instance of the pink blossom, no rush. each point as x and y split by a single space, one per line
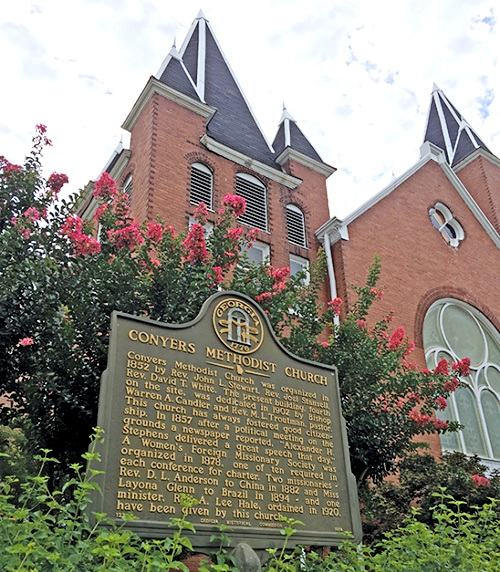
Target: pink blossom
361 324
32 214
260 298
325 344
25 342
41 129
155 262
127 237
84 245
441 403
218 275
451 386
334 305
100 211
379 294
201 212
56 181
480 481
195 246
442 367
235 234
439 424
421 419
462 367
154 231
252 236
396 338
105 188
414 397
72 225
426 371
11 168
410 346
236 203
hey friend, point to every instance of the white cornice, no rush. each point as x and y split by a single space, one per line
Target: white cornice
157 87
241 159
480 152
339 229
291 154
471 203
335 228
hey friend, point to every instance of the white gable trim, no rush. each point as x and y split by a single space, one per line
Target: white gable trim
338 229
157 87
291 154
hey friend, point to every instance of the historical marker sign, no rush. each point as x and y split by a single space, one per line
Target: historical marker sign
217 409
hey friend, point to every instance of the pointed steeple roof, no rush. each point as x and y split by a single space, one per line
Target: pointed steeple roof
447 129
291 143
289 135
201 71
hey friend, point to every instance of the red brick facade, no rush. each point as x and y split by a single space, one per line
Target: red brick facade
418 266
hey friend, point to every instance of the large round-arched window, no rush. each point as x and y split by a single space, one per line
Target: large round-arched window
454 330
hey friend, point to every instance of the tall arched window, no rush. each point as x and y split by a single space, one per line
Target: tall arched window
255 194
454 330
295 226
201 188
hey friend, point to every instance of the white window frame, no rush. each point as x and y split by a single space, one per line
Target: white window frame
201 167
291 231
305 266
449 227
475 382
262 247
256 212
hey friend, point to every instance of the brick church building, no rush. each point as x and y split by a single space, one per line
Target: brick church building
436 227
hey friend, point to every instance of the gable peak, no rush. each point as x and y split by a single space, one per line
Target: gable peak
449 130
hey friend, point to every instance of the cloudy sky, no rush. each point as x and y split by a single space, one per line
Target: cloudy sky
356 75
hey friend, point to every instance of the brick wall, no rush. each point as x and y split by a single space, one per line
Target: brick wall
418 266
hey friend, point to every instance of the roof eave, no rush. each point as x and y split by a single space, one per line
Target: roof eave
289 154
153 87
480 152
428 152
256 166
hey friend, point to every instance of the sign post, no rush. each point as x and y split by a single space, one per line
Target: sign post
219 410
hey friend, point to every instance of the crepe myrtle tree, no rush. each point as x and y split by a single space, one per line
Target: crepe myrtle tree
387 403
62 277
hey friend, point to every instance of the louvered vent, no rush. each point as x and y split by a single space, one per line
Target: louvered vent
295 226
201 185
127 188
254 193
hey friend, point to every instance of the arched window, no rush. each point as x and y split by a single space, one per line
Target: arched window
255 194
295 226
127 188
450 229
201 188
454 330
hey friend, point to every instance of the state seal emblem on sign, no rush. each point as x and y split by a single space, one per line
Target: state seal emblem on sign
238 326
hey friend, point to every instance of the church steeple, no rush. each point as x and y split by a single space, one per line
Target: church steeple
290 142
200 70
447 129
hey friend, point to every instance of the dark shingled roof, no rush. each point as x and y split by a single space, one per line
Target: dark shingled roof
233 124
175 76
447 129
298 141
